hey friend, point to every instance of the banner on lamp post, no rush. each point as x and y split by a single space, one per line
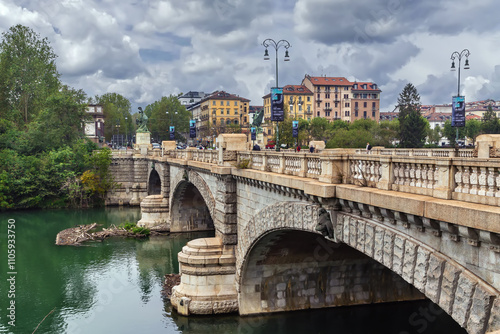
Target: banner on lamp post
277 112
253 133
295 129
172 133
458 111
192 128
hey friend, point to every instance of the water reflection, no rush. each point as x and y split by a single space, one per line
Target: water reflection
114 287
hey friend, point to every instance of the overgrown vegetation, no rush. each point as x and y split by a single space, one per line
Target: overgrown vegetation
45 159
133 228
243 164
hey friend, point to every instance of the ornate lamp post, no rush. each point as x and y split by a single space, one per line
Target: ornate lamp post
456 55
276 45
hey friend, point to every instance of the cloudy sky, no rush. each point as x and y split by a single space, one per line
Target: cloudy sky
145 49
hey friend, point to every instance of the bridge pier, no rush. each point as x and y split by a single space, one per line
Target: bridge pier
207 285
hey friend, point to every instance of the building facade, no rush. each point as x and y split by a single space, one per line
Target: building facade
365 101
221 112
191 98
94 128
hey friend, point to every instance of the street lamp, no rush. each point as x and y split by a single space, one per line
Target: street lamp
117 131
126 132
456 55
171 123
276 45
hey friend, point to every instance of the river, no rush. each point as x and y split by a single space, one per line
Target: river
114 287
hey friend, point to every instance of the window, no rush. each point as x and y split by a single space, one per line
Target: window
215 121
308 99
235 103
356 113
235 121
373 114
327 113
318 113
236 111
227 111
327 96
319 98
300 107
346 113
308 108
346 88
374 105
213 103
336 104
227 103
336 114
356 104
347 105
364 104
245 119
222 111
221 103
346 96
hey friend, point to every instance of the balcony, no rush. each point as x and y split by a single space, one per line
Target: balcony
327 109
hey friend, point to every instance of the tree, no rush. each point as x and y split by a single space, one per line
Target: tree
412 125
472 129
166 112
490 123
28 74
320 128
116 109
434 135
451 132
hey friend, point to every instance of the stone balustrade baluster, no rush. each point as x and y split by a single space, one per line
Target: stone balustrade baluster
474 176
418 175
466 180
458 179
492 185
482 180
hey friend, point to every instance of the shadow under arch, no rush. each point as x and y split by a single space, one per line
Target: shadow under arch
189 211
291 269
154 183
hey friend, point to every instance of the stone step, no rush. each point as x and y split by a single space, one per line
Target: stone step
206 259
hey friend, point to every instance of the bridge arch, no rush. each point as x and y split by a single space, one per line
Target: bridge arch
154 183
460 293
191 204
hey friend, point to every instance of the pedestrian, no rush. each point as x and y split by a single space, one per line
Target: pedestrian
368 148
298 148
311 149
256 147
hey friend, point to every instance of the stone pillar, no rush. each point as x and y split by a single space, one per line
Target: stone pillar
225 220
444 179
387 171
207 285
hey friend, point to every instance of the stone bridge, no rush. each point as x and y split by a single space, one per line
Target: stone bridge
340 227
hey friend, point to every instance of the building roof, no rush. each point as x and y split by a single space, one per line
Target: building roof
469 117
329 81
365 87
296 89
222 95
438 117
192 94
253 109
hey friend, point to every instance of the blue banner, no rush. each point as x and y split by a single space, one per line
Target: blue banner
458 111
295 129
253 133
277 113
192 128
172 133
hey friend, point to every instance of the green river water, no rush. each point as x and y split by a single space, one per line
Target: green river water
114 287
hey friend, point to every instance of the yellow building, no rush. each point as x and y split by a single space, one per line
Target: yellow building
298 103
221 112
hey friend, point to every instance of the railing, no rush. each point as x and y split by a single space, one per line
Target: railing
440 173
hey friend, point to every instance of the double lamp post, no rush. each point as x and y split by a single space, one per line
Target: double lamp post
458 106
276 45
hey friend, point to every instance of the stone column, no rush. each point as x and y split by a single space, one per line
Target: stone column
225 220
387 171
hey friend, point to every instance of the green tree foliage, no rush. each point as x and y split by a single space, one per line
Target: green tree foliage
160 121
451 132
490 123
413 127
320 128
28 74
116 109
472 129
43 150
434 135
